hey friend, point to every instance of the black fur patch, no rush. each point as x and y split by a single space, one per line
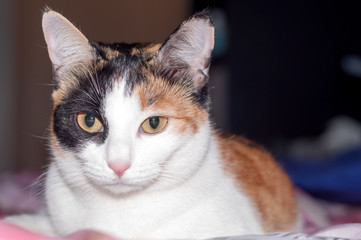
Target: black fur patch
89 96
125 63
85 98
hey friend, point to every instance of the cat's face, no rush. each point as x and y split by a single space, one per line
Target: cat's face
129 116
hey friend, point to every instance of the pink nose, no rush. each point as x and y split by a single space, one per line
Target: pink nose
119 167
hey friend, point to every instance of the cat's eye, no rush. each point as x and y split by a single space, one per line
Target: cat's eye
89 122
154 124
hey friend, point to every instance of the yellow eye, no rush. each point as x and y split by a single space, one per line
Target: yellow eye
154 124
88 122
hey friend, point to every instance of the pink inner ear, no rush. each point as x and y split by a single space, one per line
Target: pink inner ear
66 44
55 55
199 79
190 45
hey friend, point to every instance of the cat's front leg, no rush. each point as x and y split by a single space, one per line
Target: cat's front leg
39 223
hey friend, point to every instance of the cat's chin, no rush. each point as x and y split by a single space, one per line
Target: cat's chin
119 189
122 186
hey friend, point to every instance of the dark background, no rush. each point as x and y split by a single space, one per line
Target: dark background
276 72
285 61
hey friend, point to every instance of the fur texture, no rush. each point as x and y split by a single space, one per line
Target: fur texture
185 181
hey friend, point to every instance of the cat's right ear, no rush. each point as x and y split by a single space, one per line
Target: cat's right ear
68 48
189 49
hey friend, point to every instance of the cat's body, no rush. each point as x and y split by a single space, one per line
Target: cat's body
134 152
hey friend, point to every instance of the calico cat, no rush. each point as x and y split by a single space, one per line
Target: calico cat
134 152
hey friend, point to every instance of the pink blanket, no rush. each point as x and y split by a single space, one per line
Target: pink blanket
322 219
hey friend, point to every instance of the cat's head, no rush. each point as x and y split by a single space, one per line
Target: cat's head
129 116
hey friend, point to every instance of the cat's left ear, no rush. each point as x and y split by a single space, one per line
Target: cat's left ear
189 48
67 46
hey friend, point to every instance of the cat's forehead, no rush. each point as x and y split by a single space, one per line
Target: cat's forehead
130 63
112 63
142 51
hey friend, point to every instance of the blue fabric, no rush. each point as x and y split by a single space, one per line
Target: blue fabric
337 178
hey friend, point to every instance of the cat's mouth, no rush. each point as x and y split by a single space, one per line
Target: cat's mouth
126 185
119 183
131 180
127 182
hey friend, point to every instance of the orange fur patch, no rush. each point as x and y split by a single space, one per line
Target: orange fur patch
110 53
148 51
171 101
57 96
263 180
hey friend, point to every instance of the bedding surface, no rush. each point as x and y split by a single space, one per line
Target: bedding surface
21 192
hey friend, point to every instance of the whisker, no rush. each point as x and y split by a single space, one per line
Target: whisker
40 137
95 100
47 84
94 83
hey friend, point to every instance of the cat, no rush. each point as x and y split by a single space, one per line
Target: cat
134 153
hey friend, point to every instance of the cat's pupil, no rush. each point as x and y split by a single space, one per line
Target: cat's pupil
89 120
154 122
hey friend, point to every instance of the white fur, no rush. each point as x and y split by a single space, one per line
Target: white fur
175 188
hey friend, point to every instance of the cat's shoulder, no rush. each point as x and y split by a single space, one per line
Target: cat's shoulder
257 173
240 149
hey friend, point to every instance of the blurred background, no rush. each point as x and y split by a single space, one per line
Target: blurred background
284 73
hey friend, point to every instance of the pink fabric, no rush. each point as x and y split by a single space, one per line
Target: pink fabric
11 232
20 192
319 214
346 231
352 231
322 219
